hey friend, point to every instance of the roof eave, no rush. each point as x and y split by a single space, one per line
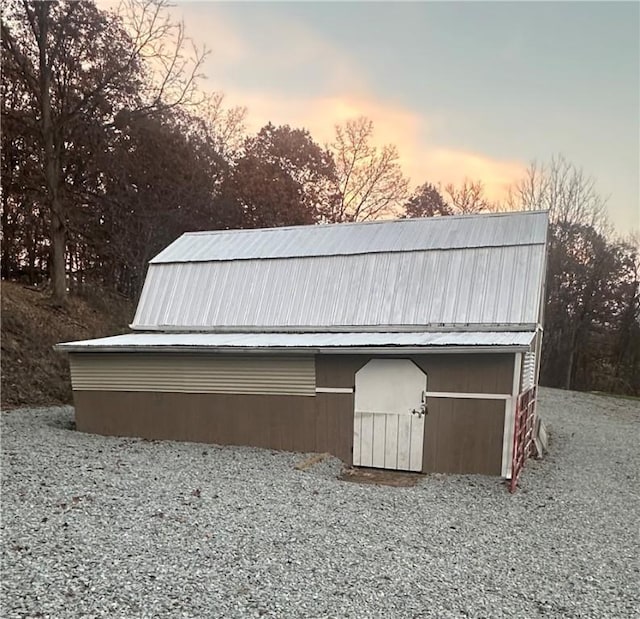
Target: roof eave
333 350
432 328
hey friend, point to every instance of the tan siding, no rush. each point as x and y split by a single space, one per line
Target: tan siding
334 425
463 436
193 373
338 370
472 373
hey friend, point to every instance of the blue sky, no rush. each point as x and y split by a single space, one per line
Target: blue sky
474 89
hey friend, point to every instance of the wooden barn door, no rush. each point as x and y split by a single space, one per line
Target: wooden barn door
388 425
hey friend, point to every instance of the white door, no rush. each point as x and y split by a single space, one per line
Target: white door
388 425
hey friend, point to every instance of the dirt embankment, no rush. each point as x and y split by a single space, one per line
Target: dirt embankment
32 372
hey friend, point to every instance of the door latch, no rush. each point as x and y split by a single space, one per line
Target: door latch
423 411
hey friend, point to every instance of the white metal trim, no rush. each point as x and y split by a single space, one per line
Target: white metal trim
509 418
538 350
536 378
542 291
469 396
334 390
342 350
395 328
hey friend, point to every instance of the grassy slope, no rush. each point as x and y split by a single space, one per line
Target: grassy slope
32 372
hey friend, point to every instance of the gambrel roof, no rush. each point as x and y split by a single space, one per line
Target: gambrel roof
478 272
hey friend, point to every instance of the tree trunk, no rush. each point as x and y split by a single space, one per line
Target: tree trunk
58 272
8 239
568 379
51 163
573 353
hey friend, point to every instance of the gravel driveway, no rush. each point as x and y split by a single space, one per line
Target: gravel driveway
109 527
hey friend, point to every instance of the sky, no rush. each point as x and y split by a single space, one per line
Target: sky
463 89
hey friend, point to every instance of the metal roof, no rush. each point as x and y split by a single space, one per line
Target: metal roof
410 290
482 272
325 342
466 231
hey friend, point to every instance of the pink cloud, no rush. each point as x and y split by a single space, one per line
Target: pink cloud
421 160
347 96
295 46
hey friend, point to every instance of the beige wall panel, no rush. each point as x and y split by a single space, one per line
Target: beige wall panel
193 373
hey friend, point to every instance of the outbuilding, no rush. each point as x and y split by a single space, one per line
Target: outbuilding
398 344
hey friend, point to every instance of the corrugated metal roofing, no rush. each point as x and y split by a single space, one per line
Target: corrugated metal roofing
312 341
476 286
468 231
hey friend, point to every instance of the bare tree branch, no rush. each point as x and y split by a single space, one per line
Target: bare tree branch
370 182
564 190
469 198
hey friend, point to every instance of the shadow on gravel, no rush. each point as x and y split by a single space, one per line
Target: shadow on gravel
62 420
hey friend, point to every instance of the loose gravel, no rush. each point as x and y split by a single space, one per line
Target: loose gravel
111 527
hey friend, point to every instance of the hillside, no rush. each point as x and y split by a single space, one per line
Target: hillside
32 372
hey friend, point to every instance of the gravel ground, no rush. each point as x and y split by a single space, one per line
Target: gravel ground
110 527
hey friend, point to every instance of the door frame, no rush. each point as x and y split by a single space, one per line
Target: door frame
394 435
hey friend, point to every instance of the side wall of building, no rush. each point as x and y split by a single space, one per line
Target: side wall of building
462 434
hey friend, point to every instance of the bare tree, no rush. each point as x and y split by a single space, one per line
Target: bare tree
564 190
224 126
170 61
76 62
588 275
370 182
468 198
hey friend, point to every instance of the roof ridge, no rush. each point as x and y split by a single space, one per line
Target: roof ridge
322 226
343 254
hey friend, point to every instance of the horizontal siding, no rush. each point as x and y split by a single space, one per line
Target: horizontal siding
185 373
528 370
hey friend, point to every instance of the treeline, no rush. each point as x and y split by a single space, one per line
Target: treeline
592 310
111 150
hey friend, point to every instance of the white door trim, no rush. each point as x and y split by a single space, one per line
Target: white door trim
334 390
510 418
471 396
